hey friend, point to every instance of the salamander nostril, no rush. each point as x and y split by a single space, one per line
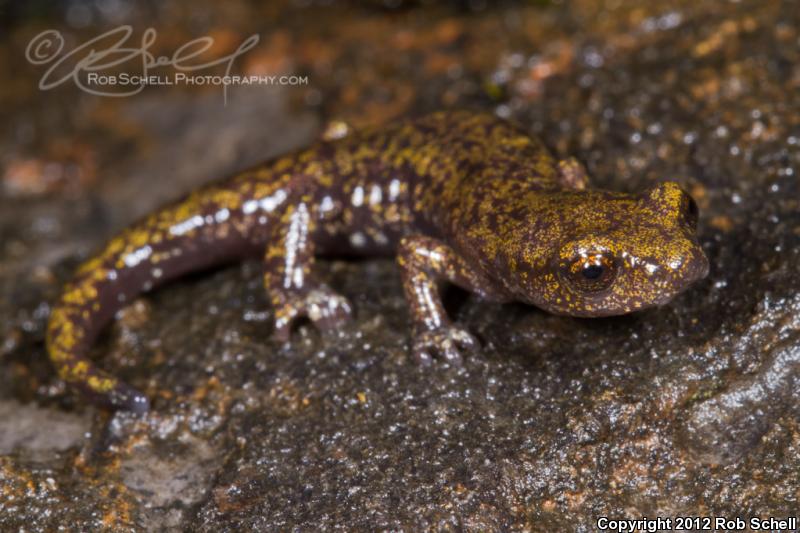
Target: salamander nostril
691 212
692 208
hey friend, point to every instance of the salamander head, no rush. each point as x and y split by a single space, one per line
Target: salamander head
623 253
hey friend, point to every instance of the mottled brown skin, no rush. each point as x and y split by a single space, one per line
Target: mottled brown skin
459 197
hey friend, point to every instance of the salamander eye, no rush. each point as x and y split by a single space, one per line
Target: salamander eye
591 273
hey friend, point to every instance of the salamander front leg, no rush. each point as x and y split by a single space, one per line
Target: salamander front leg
424 263
294 290
572 174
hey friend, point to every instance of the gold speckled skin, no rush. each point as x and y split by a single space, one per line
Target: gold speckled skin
459 197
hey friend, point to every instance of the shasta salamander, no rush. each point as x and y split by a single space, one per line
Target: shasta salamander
458 197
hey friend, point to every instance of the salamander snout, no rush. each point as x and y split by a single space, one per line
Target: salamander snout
698 267
693 268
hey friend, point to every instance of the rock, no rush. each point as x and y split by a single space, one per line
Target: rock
683 410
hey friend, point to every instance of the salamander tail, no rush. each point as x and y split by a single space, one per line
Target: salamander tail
73 325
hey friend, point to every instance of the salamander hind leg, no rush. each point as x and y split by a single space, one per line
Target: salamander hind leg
289 278
326 309
424 263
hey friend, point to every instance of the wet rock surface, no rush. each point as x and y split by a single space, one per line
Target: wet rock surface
684 410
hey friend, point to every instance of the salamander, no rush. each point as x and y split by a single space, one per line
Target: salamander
458 197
